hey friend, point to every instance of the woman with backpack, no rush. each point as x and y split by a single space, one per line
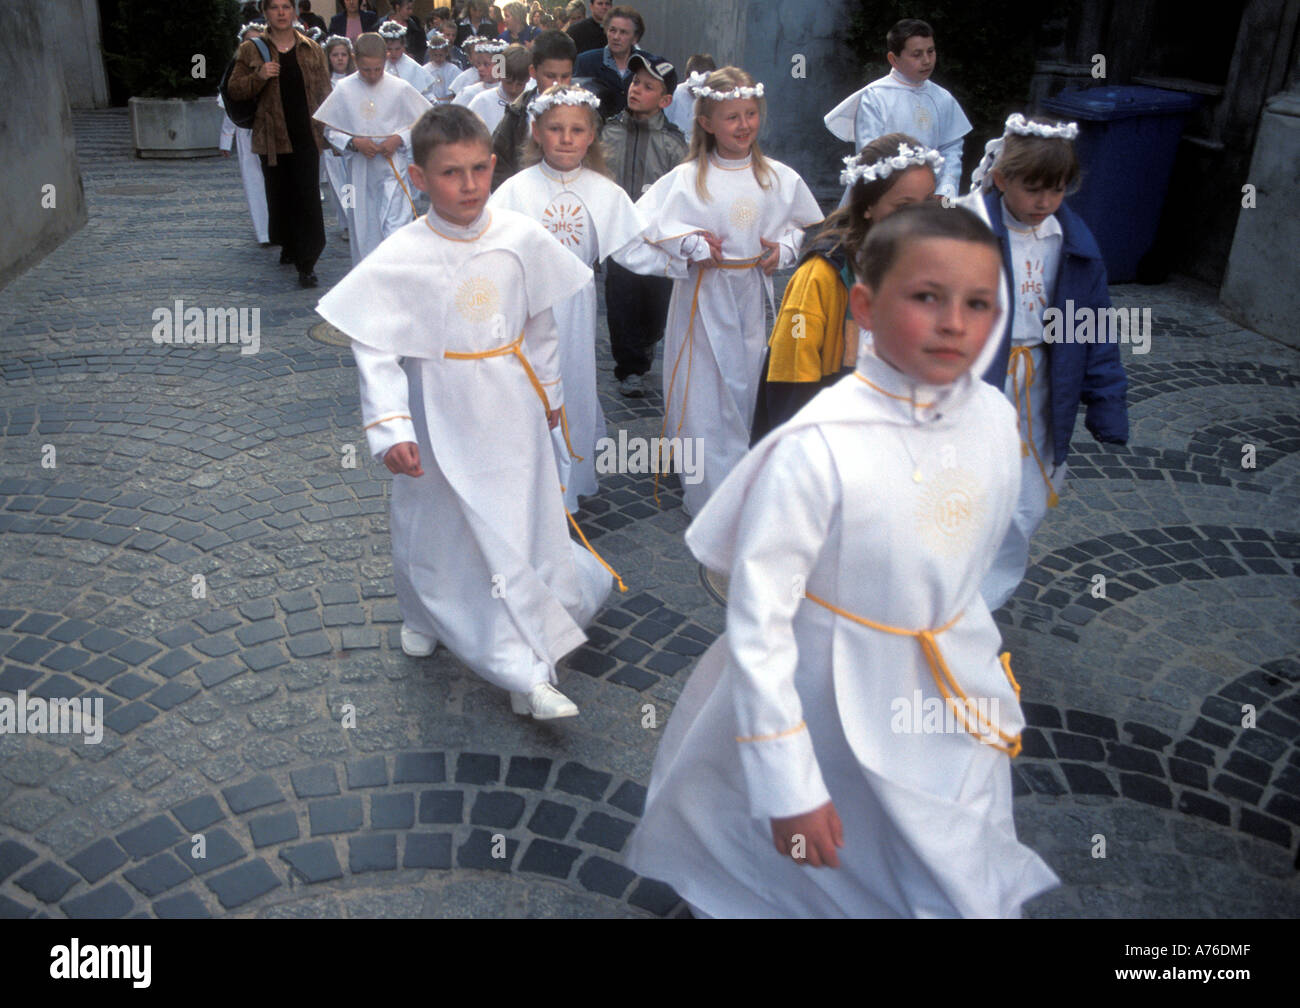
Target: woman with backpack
288 88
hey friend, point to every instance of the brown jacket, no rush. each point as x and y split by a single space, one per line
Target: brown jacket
270 135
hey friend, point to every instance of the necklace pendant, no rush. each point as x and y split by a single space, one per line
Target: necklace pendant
916 475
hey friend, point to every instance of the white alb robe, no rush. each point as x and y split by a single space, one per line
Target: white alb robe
716 334
925 112
250 173
681 113
593 218
382 196
442 77
795 705
464 79
334 170
482 557
469 92
413 73
490 106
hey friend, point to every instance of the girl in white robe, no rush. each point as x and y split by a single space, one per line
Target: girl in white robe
250 173
338 51
464 364
357 108
568 191
856 536
727 218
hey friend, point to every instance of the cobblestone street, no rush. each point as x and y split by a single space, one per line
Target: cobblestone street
327 774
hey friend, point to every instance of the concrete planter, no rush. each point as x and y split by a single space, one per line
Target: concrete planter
175 127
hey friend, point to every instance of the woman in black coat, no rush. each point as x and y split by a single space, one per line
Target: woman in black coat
362 21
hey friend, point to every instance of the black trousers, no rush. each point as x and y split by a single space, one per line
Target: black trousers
637 308
295 221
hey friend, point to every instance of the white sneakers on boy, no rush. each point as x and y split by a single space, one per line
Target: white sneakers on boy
544 702
418 645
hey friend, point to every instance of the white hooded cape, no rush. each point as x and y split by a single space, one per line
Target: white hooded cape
481 551
826 505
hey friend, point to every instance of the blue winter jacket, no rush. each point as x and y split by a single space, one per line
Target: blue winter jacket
1087 373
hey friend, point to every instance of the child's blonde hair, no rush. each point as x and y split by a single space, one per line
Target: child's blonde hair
703 142
335 43
594 159
1037 160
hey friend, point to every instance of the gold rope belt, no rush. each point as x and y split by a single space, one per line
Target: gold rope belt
1022 355
397 175
943 677
515 349
689 342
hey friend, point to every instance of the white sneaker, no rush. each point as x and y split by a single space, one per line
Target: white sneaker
418 645
544 702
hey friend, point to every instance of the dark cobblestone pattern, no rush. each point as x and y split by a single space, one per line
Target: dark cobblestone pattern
523 816
1213 458
225 710
1057 594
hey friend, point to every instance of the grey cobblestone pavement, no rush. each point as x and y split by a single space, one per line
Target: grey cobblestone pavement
265 712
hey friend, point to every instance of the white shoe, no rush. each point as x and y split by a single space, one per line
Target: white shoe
544 702
417 645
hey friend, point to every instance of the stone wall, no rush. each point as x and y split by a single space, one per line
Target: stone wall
76 35
36 145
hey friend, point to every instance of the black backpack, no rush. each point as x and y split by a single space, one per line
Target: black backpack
242 113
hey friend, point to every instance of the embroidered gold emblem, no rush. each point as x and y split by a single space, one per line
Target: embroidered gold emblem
566 221
477 299
744 213
949 506
368 109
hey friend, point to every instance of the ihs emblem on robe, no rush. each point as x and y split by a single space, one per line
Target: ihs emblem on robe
744 212
566 221
477 299
950 505
368 109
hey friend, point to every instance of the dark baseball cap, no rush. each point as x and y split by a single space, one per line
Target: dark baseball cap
659 69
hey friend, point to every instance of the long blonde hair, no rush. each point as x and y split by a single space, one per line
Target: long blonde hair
703 142
594 159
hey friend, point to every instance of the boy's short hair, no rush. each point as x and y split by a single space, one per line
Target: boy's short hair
886 241
701 63
370 45
898 35
629 14
446 124
441 13
517 61
576 8
552 44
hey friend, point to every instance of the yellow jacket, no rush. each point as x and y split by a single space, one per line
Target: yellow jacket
813 326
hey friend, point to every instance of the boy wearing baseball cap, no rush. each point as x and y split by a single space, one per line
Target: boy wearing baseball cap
640 146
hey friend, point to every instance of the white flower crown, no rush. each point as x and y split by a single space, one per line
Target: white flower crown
907 157
259 25
709 94
437 40
572 96
391 30
491 46
981 178
334 40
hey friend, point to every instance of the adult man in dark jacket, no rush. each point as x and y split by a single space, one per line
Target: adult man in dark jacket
307 17
589 33
553 57
606 70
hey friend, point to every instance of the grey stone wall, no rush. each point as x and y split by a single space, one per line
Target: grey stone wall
36 145
764 38
76 36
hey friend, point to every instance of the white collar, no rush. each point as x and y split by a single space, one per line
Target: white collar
729 164
555 175
898 78
1049 228
470 232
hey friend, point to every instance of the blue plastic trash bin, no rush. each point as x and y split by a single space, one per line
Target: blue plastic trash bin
1128 138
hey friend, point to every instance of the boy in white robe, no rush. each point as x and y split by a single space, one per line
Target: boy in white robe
459 384
814 765
368 118
722 247
568 192
490 104
906 101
